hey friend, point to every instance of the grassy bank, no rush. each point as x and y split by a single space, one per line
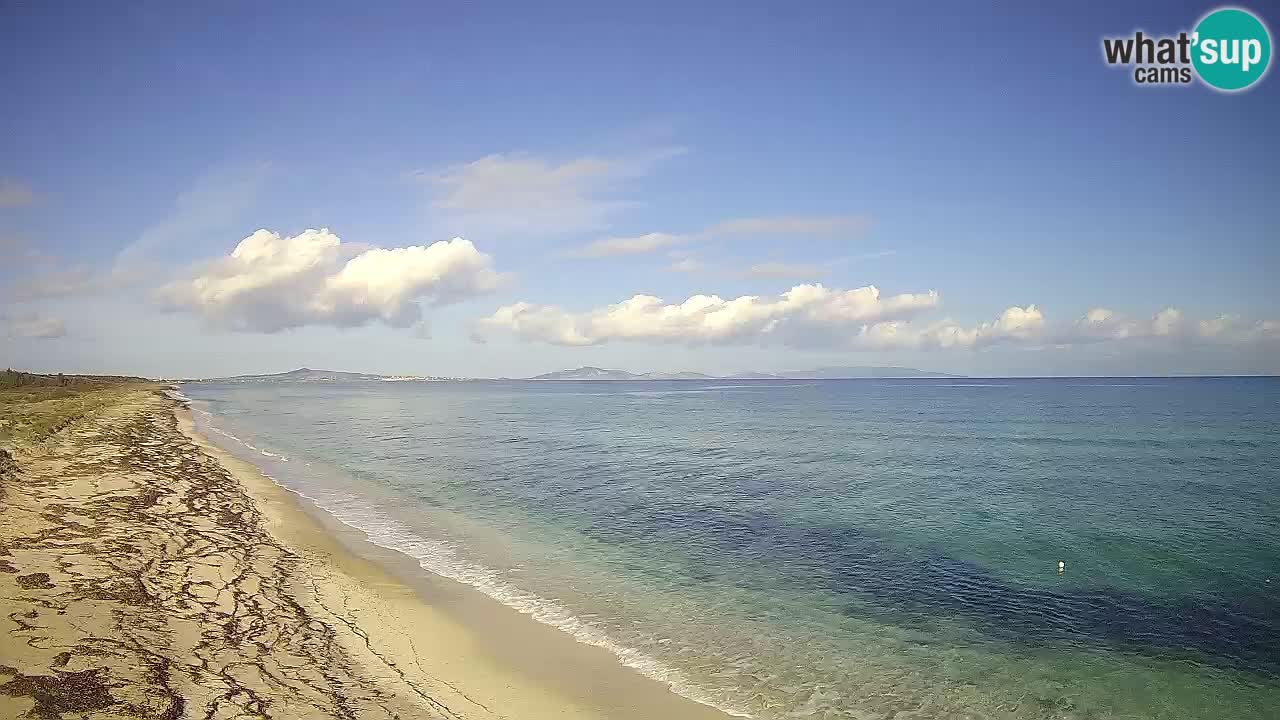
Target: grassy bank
33 407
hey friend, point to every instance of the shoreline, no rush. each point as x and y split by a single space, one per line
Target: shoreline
507 648
145 572
480 604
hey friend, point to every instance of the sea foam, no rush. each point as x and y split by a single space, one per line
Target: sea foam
442 558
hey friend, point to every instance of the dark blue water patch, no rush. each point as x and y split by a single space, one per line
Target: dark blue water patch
1231 628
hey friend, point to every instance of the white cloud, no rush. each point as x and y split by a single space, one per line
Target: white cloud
1014 325
1170 324
792 225
859 319
637 245
1218 327
522 192
14 193
803 315
1026 326
1104 324
789 225
271 283
1166 321
540 322
32 325
1233 329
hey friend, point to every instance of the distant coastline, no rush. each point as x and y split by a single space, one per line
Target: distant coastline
591 373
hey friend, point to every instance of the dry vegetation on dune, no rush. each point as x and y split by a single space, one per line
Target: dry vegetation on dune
11 378
34 407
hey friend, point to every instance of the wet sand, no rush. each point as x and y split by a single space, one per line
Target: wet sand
145 573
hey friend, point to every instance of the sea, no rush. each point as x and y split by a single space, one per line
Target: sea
910 548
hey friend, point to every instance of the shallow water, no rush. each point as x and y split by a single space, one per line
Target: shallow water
833 549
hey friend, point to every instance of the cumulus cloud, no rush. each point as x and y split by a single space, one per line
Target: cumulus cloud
32 325
519 191
805 314
1103 324
629 245
14 193
1015 324
1233 329
812 315
271 283
1167 321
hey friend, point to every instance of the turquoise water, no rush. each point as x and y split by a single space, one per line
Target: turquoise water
833 549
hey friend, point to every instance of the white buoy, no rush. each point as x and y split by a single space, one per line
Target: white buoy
1061 566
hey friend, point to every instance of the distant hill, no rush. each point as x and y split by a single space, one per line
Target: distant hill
587 373
823 373
300 375
309 375
595 373
684 375
304 375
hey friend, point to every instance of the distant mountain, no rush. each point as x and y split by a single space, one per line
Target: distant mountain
302 375
823 373
587 373
309 375
685 375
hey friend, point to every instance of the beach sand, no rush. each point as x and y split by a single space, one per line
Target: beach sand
146 573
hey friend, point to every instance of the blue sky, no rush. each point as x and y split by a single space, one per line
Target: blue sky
733 150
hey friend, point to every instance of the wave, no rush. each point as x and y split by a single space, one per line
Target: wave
442 558
246 443
177 395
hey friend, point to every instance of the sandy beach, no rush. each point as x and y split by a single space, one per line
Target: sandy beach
144 573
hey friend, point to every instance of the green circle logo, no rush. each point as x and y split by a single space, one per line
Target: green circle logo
1232 49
